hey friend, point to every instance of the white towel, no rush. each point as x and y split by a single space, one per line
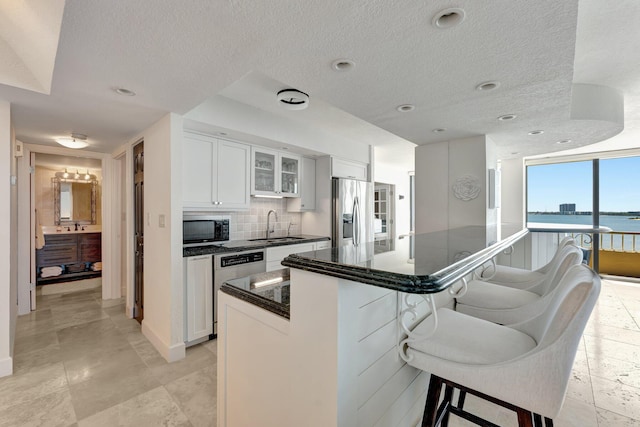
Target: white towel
50 271
39 232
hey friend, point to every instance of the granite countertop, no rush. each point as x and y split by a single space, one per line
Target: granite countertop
422 264
266 290
242 245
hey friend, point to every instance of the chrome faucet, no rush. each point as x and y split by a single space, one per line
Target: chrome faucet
269 231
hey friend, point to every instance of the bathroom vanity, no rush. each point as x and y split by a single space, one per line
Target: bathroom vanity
76 253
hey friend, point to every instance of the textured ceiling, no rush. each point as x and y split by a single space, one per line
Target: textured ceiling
176 56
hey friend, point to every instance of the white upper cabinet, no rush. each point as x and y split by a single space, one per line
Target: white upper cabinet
274 173
215 173
307 200
341 168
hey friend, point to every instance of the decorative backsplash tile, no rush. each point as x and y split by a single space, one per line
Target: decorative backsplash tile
252 224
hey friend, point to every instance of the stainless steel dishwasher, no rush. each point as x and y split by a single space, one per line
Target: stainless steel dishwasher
232 266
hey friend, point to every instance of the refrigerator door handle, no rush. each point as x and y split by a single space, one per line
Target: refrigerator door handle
356 221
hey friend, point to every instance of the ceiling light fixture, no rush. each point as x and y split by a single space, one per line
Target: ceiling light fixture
448 18
507 117
293 99
124 92
405 108
536 132
563 141
439 130
343 65
486 86
75 141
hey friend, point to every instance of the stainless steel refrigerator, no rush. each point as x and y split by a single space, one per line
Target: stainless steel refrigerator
352 208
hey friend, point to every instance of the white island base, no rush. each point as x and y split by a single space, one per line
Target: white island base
334 363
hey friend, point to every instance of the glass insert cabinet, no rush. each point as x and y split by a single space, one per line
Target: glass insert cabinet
275 173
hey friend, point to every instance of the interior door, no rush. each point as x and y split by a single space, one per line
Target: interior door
138 191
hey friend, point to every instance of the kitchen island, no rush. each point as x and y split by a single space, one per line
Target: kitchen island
334 360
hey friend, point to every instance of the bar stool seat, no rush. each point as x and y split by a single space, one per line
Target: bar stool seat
524 367
505 305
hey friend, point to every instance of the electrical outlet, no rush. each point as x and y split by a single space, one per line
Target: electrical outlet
161 220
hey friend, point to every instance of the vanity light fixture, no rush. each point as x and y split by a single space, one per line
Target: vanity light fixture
70 177
293 99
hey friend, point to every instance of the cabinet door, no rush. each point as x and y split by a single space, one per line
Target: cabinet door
289 175
307 200
264 179
90 247
197 171
341 168
199 297
233 175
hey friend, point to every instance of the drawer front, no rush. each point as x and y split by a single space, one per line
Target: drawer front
60 239
55 255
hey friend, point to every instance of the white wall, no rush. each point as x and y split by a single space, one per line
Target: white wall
437 167
8 242
250 122
163 290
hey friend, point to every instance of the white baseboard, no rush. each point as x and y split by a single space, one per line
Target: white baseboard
170 353
6 367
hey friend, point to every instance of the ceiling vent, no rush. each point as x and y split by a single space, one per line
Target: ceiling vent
293 99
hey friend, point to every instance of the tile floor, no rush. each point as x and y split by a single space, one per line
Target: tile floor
80 362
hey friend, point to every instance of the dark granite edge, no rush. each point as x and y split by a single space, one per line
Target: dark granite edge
278 243
394 281
272 306
214 250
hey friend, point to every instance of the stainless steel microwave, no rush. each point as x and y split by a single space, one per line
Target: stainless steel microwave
204 229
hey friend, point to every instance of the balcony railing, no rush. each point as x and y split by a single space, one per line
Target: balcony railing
619 253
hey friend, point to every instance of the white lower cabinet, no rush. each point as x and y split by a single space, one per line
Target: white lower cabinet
277 254
198 285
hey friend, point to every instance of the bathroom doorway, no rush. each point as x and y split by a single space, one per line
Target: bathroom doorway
68 216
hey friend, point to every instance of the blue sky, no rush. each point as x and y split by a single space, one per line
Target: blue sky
551 185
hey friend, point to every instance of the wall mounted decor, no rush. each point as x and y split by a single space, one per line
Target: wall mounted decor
466 188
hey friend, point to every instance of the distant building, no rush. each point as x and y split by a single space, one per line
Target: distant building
568 208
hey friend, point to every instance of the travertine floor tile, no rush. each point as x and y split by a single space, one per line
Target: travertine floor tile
152 408
616 397
195 394
32 384
51 410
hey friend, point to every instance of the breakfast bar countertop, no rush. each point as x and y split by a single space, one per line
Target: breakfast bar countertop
422 264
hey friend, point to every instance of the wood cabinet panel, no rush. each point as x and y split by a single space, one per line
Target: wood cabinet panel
90 247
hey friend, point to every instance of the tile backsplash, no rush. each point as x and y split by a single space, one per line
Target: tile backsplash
252 224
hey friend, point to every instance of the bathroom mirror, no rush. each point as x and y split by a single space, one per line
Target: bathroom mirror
74 201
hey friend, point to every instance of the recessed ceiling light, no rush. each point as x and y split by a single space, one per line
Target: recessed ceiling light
515 152
485 86
343 65
507 117
405 108
563 141
536 132
293 99
448 18
125 92
284 148
222 133
438 130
